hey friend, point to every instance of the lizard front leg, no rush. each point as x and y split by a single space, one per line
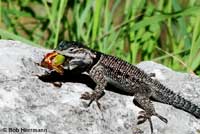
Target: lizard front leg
97 74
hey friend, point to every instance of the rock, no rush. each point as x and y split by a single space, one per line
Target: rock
27 103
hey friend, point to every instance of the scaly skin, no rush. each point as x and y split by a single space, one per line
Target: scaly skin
104 69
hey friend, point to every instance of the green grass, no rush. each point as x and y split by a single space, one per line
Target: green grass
167 32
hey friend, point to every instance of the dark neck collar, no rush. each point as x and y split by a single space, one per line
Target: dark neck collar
95 60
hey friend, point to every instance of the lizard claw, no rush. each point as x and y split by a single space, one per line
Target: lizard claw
162 118
99 105
37 64
97 102
143 116
152 75
92 97
57 84
86 96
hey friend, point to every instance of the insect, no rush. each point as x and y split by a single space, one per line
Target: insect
54 61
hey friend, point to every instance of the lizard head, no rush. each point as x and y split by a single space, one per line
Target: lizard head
80 55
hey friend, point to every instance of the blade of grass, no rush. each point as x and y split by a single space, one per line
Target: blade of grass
195 43
50 17
61 10
177 59
84 19
0 12
182 25
77 10
9 35
17 13
54 13
196 62
112 43
116 28
168 56
108 24
97 13
148 21
158 18
195 54
130 14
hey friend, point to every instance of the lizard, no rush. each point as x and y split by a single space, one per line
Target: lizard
105 69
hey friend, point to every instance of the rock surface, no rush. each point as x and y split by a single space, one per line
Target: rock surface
27 102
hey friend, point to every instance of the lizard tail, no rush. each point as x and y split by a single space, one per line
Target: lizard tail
165 95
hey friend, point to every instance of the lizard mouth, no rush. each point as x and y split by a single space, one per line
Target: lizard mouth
75 63
68 62
61 62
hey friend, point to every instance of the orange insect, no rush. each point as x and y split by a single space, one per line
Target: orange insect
54 61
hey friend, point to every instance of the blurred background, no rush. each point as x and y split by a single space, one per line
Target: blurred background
164 31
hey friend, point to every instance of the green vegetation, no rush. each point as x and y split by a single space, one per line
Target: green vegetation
164 31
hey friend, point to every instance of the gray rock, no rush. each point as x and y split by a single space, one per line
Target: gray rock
26 102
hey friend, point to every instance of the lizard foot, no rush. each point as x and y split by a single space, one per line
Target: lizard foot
92 97
86 96
143 116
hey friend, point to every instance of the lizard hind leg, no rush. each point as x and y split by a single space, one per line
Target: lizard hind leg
142 117
144 103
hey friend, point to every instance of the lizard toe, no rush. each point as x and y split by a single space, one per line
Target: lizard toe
162 118
99 105
86 96
142 117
